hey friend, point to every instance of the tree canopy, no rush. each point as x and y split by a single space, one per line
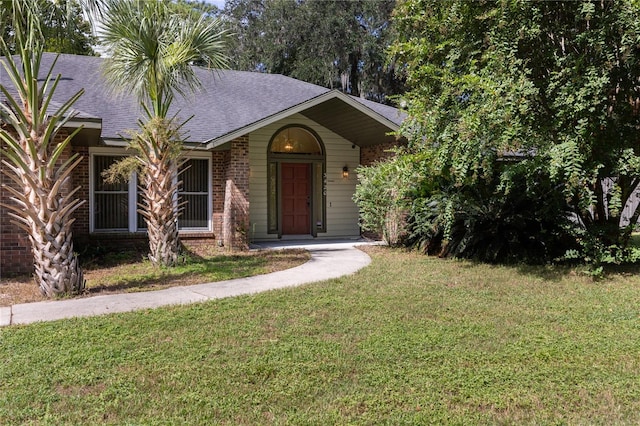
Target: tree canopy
538 100
62 25
337 44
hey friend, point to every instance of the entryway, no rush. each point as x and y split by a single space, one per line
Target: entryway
296 182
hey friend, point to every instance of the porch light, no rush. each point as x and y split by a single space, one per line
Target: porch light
345 172
288 143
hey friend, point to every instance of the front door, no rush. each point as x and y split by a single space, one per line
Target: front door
296 198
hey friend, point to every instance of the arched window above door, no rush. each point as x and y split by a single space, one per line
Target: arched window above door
295 140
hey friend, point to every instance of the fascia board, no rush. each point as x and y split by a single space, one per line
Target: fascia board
125 143
87 123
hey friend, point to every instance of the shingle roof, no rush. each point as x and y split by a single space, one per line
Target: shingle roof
228 101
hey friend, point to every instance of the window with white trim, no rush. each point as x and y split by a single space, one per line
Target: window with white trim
113 207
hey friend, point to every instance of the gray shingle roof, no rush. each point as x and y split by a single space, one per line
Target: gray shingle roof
228 100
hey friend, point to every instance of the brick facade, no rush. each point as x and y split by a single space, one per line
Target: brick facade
221 162
372 154
81 180
15 248
235 219
230 198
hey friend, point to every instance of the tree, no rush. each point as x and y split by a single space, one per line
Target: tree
62 25
152 49
196 9
336 44
34 159
553 85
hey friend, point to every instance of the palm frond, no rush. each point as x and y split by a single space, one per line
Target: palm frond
153 50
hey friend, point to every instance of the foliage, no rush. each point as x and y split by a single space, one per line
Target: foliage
550 83
383 196
592 250
152 48
527 222
62 25
196 8
408 340
336 44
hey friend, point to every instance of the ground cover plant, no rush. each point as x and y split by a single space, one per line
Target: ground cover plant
410 339
129 271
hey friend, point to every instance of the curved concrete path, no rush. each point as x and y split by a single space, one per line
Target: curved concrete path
329 259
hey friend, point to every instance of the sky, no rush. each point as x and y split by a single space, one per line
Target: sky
219 3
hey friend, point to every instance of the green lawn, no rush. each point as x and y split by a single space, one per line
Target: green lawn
408 340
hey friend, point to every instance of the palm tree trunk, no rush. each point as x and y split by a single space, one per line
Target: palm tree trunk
158 156
160 212
43 207
57 270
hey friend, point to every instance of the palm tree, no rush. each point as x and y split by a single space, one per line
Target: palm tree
152 49
34 159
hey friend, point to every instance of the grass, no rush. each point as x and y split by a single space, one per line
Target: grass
128 271
408 340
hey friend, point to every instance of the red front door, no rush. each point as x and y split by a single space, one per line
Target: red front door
296 199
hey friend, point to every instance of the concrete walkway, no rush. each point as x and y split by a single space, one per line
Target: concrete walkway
329 259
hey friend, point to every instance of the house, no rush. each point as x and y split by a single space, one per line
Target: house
268 157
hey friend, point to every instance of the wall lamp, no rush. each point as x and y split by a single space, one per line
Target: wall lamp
345 172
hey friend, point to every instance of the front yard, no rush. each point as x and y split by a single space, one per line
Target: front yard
408 340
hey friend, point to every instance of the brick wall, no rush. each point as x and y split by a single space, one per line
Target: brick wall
15 248
371 154
221 162
236 201
81 179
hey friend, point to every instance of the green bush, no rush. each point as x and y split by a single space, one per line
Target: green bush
518 214
383 195
524 221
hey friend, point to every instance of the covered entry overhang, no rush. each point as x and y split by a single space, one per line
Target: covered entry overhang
344 115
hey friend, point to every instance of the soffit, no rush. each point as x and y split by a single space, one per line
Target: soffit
349 122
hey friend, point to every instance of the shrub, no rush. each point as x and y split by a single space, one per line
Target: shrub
383 196
526 221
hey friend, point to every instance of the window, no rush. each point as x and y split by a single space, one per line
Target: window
110 201
273 198
295 140
114 207
194 190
